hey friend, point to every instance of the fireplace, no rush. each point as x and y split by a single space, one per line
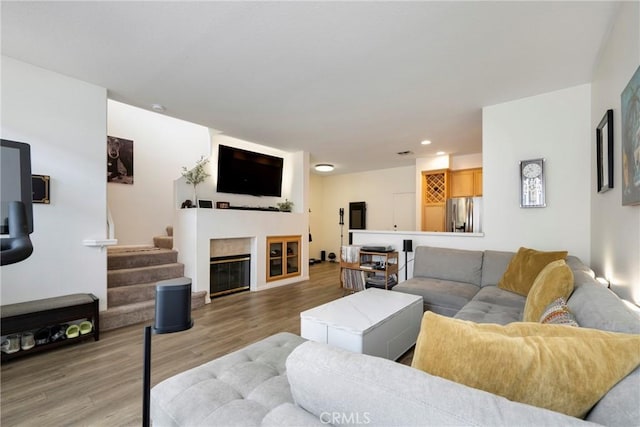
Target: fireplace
229 274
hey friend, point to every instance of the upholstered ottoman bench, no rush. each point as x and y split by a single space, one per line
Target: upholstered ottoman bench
248 387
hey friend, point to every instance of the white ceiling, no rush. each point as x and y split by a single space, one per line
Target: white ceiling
353 83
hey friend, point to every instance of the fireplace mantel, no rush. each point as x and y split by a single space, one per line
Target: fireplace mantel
195 228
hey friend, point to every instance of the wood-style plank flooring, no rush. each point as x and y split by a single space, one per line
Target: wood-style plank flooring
100 383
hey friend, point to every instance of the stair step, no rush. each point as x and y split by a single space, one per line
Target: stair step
137 275
165 242
128 248
170 230
125 315
130 294
139 312
141 258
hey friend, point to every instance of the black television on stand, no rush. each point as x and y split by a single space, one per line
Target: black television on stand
16 210
247 172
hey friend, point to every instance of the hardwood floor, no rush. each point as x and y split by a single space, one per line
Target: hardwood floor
100 383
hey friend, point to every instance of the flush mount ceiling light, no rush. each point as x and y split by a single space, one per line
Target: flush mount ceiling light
159 108
425 142
324 167
440 153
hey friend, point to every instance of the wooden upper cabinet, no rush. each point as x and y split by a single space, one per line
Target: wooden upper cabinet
465 183
477 182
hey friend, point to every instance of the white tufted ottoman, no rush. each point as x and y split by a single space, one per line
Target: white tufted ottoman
248 387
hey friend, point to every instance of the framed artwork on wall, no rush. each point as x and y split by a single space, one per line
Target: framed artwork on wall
604 152
40 188
630 102
119 160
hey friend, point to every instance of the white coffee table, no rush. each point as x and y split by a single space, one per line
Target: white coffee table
375 322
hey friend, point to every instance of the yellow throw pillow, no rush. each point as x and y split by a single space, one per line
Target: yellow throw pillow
524 267
549 366
554 281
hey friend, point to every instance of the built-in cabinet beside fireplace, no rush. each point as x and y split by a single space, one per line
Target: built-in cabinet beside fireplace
283 257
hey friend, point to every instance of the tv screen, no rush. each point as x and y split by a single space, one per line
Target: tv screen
246 172
15 182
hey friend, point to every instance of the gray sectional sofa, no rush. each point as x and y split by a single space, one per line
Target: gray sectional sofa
285 380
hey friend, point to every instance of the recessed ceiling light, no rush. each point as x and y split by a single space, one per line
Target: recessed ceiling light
440 153
324 167
159 108
425 142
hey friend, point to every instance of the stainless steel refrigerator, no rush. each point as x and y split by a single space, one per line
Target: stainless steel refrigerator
464 215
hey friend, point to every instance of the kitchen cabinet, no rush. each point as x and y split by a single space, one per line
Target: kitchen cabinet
477 182
466 183
434 198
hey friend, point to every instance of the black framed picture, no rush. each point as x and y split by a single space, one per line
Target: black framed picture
40 188
604 152
357 216
119 160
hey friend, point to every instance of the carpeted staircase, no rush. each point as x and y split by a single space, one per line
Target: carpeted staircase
132 274
165 242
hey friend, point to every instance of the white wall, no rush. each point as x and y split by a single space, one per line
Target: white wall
554 126
376 188
162 145
64 121
467 161
615 229
316 214
294 177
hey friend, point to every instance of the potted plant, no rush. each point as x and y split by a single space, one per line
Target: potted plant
285 206
196 175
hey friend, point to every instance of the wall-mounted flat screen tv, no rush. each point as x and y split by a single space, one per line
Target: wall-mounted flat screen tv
246 172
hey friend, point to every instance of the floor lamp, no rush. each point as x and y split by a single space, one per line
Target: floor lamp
407 246
173 314
341 223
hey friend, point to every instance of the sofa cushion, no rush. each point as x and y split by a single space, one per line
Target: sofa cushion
346 388
440 296
494 264
595 306
289 414
240 388
553 282
457 265
619 407
493 305
551 366
575 264
558 313
524 267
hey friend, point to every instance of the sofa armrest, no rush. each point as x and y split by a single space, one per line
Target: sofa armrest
341 387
